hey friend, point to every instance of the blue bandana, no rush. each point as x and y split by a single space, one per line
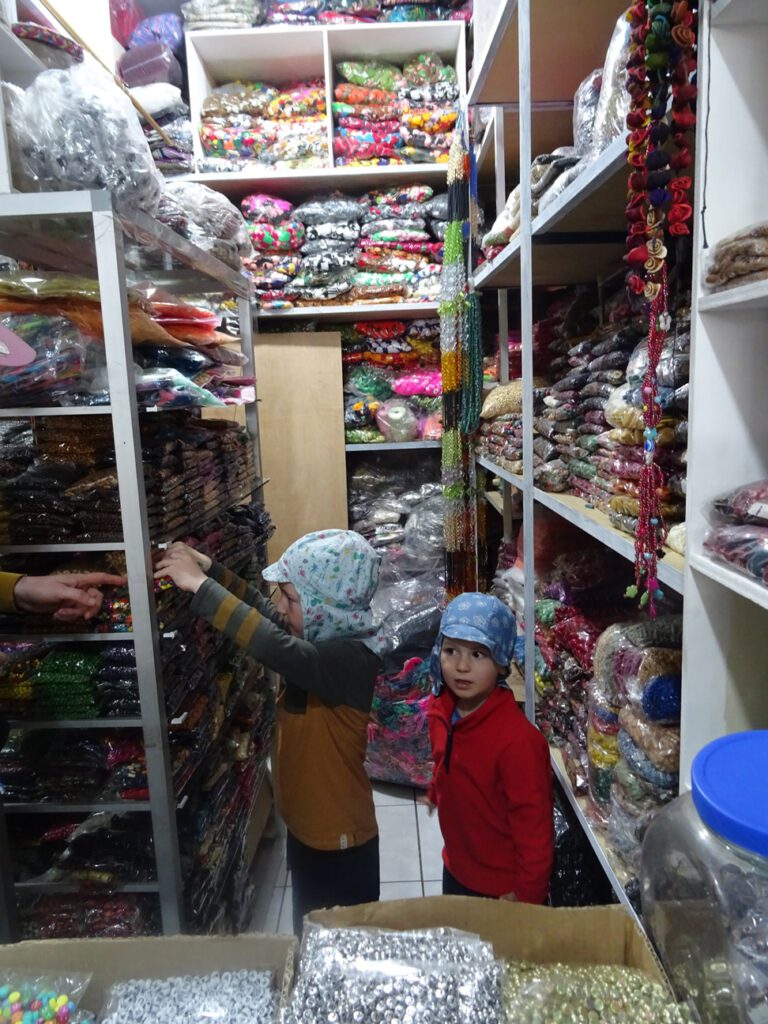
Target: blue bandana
481 619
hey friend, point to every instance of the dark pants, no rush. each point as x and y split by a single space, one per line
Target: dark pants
452 887
331 878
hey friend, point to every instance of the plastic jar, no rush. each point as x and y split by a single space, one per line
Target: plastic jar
705 882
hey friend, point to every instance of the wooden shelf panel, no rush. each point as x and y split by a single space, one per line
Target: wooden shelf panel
384 311
735 581
595 201
734 300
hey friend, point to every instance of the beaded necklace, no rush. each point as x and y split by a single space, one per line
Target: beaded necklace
662 58
461 363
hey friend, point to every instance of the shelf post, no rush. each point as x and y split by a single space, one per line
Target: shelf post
9 921
128 457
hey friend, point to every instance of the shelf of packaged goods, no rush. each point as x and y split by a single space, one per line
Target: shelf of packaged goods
359 311
72 889
300 183
551 126
393 446
53 230
70 410
746 297
739 12
41 549
595 200
214 513
34 725
744 586
69 638
119 807
500 472
503 271
603 852
670 568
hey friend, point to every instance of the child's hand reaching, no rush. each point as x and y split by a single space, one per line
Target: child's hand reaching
181 567
202 560
426 802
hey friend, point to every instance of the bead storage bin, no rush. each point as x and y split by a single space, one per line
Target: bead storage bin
125 962
705 882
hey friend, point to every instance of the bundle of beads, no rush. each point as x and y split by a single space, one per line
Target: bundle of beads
26 1005
226 996
662 60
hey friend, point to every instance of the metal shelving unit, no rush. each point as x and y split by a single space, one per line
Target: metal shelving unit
79 232
528 69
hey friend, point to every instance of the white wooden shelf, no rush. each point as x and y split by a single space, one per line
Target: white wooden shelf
503 271
302 182
595 200
92 807
35 725
734 300
380 311
739 12
597 525
735 581
393 446
40 410
496 501
36 549
615 874
500 472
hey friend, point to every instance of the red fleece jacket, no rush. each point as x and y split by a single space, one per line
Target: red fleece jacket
492 785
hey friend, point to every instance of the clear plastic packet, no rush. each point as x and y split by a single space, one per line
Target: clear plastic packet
625 829
230 996
153 62
613 104
552 476
643 767
32 990
747 504
743 547
75 129
335 208
211 215
584 109
166 388
261 207
226 101
333 232
428 69
397 421
372 74
124 16
166 28
673 367
659 743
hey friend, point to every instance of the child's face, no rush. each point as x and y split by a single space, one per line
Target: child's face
289 605
469 671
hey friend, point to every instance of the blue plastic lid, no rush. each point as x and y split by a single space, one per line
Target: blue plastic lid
728 780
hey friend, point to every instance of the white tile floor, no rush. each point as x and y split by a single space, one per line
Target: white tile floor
410 851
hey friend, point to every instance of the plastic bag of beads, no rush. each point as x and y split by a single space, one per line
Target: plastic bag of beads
747 504
397 421
584 109
229 996
372 74
330 232
613 104
261 207
643 766
285 237
626 828
164 28
743 547
305 99
427 69
234 98
346 92
24 991
674 362
75 129
166 388
659 743
335 208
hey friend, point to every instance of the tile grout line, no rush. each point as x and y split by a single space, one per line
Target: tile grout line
418 841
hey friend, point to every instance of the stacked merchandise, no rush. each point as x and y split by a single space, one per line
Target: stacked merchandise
223 14
634 730
335 249
739 530
252 124
399 510
599 112
387 115
492 363
151 67
739 259
233 14
590 435
392 382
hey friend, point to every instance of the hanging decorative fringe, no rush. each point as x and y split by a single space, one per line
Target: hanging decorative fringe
462 370
662 59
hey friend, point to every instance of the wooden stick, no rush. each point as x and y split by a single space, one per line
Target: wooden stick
79 39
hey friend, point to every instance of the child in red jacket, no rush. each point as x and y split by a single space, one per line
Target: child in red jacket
492 783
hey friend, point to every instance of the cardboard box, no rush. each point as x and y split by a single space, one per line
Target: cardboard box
113 960
518 931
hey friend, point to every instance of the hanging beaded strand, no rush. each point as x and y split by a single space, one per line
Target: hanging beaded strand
662 58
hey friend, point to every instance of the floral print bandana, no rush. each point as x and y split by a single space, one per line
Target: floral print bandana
335 573
481 619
